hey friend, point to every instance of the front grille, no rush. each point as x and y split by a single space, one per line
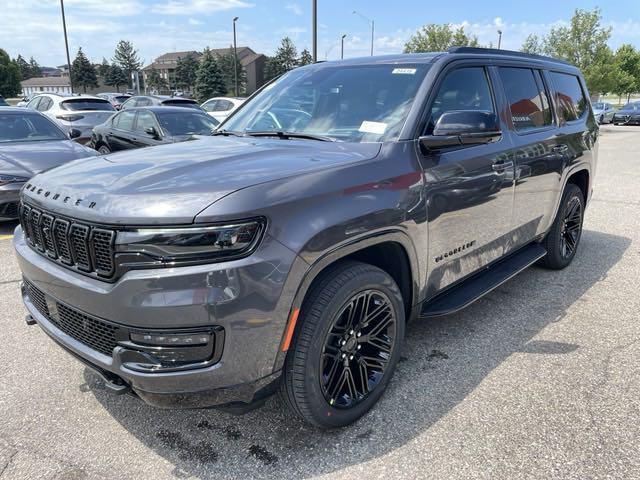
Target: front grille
9 210
90 331
74 244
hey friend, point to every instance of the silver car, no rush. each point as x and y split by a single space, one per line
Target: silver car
603 112
72 111
30 143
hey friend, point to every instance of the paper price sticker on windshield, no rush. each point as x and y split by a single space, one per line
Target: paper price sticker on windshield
404 71
373 127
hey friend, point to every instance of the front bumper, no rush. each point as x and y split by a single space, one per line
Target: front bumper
246 298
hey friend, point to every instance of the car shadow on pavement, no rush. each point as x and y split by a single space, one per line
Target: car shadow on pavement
443 361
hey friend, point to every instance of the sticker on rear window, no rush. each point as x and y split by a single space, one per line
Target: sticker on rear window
373 127
404 71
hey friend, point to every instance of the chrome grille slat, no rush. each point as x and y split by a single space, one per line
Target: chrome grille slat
80 246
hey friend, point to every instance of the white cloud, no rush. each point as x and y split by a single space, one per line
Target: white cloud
193 21
295 8
190 7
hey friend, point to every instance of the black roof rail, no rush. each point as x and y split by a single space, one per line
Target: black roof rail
508 53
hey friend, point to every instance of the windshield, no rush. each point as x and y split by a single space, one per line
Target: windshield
631 106
28 128
362 103
187 123
598 106
87 104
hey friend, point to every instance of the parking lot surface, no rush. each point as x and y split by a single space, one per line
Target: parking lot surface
539 379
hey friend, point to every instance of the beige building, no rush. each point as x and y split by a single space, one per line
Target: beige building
45 84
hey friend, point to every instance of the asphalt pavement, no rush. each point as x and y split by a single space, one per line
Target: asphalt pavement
539 379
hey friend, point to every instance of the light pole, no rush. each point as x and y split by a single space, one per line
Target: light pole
66 44
342 46
372 27
235 56
314 30
499 38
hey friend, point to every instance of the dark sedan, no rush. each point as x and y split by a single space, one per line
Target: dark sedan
627 115
160 101
115 99
30 143
145 127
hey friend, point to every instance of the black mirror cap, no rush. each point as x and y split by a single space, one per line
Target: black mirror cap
463 127
74 133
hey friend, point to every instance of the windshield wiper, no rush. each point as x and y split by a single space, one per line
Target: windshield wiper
226 133
287 135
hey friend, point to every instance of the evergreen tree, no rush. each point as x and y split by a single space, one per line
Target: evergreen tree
36 71
225 61
115 77
25 68
103 69
155 81
9 76
305 58
209 80
438 38
126 57
285 59
186 71
83 72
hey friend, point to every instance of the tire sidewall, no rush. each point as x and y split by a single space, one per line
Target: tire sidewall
572 192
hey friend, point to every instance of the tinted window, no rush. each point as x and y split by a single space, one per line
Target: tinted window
121 99
45 104
86 104
181 103
462 89
124 120
187 123
569 96
34 102
527 98
630 107
223 105
28 128
145 120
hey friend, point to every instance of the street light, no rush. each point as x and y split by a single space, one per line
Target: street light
499 38
235 57
342 46
66 44
372 27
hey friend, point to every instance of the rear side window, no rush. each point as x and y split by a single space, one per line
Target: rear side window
181 103
527 98
124 120
569 96
45 104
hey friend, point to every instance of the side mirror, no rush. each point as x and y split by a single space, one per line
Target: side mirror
74 133
463 127
152 132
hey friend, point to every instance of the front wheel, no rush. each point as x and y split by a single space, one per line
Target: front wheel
104 150
562 240
346 346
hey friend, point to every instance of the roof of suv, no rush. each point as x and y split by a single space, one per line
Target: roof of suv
167 109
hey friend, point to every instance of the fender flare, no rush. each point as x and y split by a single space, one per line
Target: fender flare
565 180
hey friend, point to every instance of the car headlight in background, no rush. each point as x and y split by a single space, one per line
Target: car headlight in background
7 179
192 244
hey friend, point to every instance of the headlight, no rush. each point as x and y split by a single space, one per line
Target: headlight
6 179
192 244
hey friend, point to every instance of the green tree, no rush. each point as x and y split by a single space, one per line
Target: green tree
25 68
533 44
115 77
34 67
155 81
126 57
9 76
285 59
186 71
225 61
627 63
209 80
103 69
438 38
83 72
305 58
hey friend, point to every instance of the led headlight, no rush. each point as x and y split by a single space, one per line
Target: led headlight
187 244
6 179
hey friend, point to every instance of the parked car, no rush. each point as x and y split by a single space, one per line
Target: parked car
221 107
72 111
288 251
3 102
628 114
29 144
145 127
25 100
160 100
603 112
115 99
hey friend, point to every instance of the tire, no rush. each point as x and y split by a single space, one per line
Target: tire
563 239
601 120
324 344
103 149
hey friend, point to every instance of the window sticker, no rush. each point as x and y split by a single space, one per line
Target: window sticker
404 71
373 127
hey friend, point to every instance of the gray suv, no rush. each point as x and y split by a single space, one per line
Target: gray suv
287 252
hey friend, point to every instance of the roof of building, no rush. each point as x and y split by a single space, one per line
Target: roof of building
169 60
46 82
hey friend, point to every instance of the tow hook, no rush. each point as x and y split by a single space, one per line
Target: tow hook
30 320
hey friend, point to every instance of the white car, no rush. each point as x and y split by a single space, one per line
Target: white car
81 112
221 107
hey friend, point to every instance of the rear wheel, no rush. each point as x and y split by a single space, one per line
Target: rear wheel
562 240
346 346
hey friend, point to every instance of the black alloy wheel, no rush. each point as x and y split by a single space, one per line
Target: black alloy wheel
571 228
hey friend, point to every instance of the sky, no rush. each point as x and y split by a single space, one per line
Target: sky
34 27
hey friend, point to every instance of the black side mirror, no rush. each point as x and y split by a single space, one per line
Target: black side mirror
151 131
463 127
74 133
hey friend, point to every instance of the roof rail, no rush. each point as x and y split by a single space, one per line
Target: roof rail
508 53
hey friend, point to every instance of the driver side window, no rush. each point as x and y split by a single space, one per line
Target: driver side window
462 89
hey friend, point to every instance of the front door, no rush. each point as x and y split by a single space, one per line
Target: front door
469 190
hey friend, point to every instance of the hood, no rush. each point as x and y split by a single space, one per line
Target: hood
171 184
36 157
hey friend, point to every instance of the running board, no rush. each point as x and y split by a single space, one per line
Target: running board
483 282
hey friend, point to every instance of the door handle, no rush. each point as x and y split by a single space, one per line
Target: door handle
501 166
562 148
